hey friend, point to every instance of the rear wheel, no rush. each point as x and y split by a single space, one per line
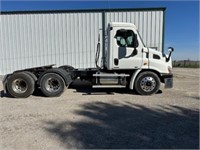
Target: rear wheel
52 84
20 85
147 83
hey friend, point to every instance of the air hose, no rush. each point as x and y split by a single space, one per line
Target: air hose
98 53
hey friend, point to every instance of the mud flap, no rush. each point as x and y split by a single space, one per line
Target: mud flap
4 81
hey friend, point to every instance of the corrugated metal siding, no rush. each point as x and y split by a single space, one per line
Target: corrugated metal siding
29 40
65 38
149 24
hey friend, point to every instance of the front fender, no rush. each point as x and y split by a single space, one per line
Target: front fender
133 77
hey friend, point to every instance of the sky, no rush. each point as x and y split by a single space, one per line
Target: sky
181 19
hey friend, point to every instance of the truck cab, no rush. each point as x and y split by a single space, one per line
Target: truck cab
125 50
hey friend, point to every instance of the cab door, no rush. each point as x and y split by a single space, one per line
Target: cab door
126 50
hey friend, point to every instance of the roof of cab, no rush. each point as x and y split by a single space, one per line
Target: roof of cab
122 24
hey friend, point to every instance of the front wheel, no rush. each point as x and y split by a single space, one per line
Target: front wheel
147 83
52 84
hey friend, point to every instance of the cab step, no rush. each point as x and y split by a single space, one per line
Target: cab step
108 86
110 75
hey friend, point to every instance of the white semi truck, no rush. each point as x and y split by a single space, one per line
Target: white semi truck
126 63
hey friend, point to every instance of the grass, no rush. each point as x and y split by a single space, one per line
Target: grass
186 64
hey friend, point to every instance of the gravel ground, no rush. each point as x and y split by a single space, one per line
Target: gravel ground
86 118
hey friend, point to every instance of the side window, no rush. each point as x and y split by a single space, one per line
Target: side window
125 38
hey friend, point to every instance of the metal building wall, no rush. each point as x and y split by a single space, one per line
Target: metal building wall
30 40
149 24
66 38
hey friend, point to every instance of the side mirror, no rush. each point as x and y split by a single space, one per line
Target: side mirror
170 49
135 42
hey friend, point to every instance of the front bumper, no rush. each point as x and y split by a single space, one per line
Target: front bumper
168 80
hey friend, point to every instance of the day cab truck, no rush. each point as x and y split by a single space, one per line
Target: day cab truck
126 63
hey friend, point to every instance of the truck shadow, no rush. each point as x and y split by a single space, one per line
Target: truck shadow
85 88
2 94
128 126
35 93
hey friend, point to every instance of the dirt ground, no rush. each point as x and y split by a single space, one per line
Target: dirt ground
105 118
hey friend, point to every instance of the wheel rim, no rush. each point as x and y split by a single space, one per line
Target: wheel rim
52 85
19 86
148 84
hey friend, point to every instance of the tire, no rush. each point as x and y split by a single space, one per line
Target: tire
52 84
32 75
20 85
147 83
